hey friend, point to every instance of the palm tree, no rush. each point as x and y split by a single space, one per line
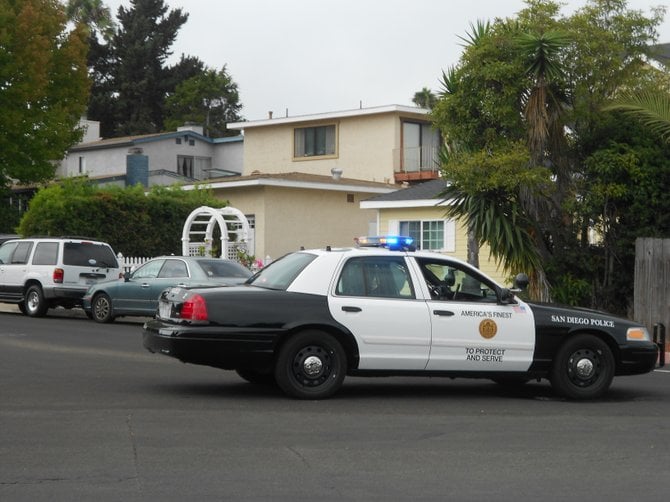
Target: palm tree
511 220
424 98
543 109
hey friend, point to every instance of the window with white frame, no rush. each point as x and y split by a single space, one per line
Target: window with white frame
314 141
433 235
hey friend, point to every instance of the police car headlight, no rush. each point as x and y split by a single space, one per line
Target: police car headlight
638 335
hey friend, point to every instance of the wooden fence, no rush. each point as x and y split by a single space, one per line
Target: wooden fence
652 283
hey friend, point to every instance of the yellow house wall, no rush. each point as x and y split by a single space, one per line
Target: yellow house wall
288 218
365 148
486 264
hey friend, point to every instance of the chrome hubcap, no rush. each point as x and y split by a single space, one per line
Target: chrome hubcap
312 366
584 368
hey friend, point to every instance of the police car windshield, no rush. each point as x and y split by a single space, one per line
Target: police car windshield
282 272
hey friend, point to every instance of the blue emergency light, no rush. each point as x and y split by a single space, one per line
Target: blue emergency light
392 242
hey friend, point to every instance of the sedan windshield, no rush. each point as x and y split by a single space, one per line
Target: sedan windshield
282 272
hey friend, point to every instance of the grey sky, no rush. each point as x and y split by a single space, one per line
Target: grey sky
313 56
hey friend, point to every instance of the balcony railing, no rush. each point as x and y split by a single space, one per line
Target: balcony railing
416 163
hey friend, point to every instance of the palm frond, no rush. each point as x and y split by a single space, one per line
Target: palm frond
478 32
650 108
543 51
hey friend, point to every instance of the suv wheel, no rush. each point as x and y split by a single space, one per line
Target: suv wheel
34 303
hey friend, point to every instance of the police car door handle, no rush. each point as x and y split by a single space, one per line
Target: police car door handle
444 313
351 309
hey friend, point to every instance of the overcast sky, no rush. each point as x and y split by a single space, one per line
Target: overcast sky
311 56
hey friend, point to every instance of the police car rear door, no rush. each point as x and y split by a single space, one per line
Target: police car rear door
375 298
471 329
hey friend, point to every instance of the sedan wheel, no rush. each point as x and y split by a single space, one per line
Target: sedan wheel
583 368
311 365
101 308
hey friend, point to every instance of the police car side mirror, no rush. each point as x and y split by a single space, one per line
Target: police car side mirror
506 296
521 281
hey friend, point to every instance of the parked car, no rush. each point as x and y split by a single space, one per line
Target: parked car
39 273
312 317
137 293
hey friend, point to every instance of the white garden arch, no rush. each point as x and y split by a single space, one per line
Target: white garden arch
197 235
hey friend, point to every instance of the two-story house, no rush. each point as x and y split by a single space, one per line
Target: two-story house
304 177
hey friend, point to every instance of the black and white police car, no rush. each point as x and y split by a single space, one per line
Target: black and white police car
314 316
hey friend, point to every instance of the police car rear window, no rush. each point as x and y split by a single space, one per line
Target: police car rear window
282 272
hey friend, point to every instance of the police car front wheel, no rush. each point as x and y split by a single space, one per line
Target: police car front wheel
583 368
310 365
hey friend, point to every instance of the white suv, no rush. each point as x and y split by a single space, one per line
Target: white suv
39 273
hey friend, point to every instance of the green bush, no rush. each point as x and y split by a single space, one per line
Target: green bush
134 222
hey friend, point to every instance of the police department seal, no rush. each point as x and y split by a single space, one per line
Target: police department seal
488 328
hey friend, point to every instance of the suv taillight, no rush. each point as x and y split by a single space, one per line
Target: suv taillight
58 275
194 308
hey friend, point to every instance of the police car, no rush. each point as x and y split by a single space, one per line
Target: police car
381 308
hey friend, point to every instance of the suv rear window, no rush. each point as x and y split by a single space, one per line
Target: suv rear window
80 254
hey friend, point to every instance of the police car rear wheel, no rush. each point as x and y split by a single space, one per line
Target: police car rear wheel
583 368
311 365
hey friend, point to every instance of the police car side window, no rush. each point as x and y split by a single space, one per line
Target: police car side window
377 277
448 282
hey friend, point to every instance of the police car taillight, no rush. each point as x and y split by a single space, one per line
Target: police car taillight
194 308
393 242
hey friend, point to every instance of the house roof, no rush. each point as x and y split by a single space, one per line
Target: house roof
128 141
297 180
425 194
358 112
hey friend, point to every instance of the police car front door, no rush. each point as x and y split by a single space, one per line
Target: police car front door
471 331
376 300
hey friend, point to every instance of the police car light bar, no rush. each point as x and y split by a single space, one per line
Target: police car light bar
392 242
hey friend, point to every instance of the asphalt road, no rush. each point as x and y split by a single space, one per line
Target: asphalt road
87 414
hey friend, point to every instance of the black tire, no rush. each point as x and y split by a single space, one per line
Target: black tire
101 308
22 308
34 302
311 365
583 368
256 377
